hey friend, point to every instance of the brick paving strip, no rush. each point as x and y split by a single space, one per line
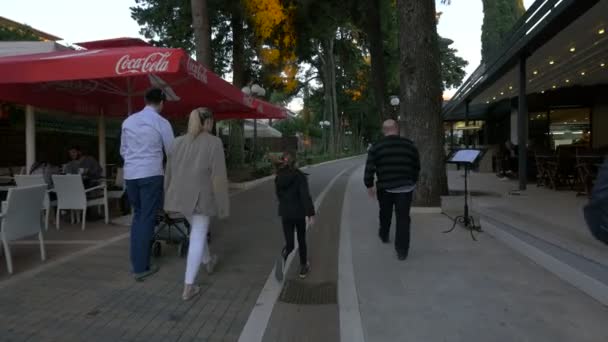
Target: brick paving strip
90 295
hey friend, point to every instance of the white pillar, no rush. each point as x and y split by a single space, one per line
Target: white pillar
30 138
101 135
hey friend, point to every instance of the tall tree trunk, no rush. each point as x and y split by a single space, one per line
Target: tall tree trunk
202 32
329 86
376 49
238 48
420 80
237 129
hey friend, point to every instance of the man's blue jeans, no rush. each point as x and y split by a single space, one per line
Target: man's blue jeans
146 198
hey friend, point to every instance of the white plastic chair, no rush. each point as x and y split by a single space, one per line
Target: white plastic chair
30 180
71 195
21 218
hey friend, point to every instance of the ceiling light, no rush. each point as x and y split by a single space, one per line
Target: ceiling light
494 98
535 72
582 73
510 87
554 86
488 101
601 31
551 62
542 92
502 93
603 65
567 81
572 49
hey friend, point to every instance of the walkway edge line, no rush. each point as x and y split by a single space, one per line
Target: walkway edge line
254 183
351 325
258 320
580 280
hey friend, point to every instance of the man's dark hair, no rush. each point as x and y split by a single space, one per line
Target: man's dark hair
155 96
75 148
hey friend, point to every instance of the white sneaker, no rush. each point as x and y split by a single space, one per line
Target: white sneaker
210 266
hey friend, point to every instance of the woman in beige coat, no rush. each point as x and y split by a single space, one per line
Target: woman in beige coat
196 186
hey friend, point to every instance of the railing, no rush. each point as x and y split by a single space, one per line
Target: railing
527 24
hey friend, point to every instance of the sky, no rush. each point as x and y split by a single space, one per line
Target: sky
85 20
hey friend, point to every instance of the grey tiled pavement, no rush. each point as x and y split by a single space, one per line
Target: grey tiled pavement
94 298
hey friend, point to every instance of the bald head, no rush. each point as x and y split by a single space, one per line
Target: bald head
390 127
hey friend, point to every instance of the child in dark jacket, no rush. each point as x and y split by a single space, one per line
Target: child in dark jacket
296 209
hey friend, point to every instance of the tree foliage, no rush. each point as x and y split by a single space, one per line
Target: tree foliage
499 18
452 66
321 50
20 34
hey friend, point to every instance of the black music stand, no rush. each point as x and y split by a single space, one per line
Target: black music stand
467 158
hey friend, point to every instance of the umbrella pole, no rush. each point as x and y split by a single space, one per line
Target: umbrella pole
30 138
129 96
101 134
254 142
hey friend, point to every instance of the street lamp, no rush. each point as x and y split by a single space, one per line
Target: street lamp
394 100
254 90
325 124
349 134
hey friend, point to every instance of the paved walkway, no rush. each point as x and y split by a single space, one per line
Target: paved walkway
450 288
454 289
93 297
546 225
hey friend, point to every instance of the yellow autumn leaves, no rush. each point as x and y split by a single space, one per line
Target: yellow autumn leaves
273 24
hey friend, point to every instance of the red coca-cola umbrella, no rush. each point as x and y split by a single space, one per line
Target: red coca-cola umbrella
112 81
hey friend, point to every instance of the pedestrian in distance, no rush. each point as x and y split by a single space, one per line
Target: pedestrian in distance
196 185
296 210
391 174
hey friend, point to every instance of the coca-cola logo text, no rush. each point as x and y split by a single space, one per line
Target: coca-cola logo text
153 63
197 71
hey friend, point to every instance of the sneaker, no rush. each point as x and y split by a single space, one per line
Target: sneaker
141 276
190 291
401 256
304 270
210 266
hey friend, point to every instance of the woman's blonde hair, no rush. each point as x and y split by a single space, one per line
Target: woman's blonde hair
197 120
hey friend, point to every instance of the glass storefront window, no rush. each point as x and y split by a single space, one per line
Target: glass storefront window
570 126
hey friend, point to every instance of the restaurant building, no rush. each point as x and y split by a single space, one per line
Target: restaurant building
546 92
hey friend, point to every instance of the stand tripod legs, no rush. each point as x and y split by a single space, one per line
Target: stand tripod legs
467 222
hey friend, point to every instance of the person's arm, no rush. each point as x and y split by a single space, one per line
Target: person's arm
219 178
166 132
168 172
370 172
600 189
94 169
305 198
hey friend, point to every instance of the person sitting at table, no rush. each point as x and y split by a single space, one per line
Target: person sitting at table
508 161
86 165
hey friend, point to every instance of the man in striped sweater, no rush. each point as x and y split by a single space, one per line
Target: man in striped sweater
391 174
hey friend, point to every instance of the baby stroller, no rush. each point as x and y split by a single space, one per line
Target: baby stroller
173 229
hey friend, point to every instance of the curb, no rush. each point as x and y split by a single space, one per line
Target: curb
576 278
